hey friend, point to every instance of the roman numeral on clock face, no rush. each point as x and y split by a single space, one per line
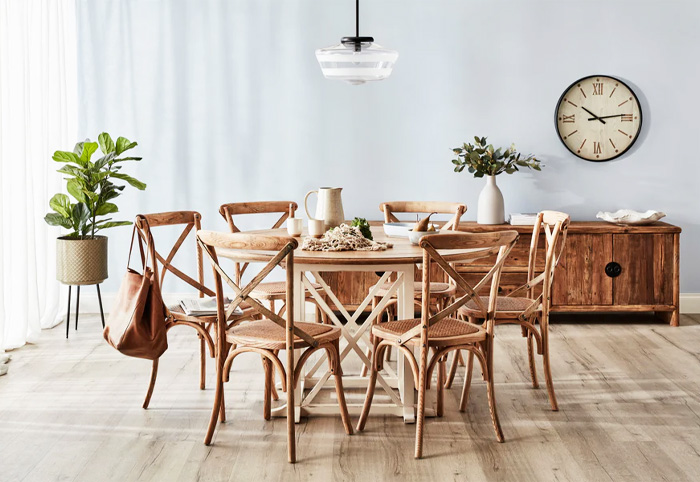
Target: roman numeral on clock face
626 117
597 148
569 118
597 88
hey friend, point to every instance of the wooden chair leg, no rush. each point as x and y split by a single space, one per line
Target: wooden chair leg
490 391
420 416
218 403
441 386
453 369
368 351
389 317
273 390
152 384
531 360
291 439
334 363
202 363
267 405
370 386
467 382
547 368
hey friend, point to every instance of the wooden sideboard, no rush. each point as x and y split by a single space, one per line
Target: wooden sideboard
604 268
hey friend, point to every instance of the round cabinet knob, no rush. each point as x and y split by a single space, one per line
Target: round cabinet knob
613 269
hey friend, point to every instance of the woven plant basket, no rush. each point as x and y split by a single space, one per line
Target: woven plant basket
81 261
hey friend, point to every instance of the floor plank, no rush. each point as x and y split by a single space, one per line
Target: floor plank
628 390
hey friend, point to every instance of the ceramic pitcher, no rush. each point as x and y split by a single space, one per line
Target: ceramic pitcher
329 207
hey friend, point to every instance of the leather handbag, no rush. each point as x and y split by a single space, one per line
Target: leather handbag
137 322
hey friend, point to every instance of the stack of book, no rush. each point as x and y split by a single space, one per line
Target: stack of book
203 306
523 219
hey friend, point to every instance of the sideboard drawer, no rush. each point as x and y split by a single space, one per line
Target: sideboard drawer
580 277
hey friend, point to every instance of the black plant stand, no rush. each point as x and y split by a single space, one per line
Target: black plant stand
77 307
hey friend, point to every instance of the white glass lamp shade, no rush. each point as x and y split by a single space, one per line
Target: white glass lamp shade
343 62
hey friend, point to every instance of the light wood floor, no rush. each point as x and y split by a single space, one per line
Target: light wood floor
629 397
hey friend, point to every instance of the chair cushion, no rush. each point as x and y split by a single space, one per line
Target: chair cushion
275 289
435 288
448 331
268 334
505 306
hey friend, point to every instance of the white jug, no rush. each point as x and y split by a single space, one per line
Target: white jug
329 207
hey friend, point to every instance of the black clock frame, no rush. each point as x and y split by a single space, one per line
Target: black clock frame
561 97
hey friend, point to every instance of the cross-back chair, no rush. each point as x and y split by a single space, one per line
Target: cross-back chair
524 307
440 292
443 332
190 221
271 334
271 291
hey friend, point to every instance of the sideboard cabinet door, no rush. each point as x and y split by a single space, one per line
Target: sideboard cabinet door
580 277
647 266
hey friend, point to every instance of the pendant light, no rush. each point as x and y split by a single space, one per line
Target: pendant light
356 59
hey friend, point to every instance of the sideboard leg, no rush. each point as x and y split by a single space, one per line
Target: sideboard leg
670 317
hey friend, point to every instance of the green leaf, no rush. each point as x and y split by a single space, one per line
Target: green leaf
456 162
134 182
89 149
78 149
123 144
104 160
75 189
55 219
80 214
112 224
65 156
74 171
106 143
474 156
61 204
106 208
121 159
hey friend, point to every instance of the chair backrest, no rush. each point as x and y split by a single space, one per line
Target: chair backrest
286 209
162 264
555 226
439 207
448 249
273 251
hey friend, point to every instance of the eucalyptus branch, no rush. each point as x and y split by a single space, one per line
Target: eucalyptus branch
481 159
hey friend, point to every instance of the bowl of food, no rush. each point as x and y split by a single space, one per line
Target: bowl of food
415 236
422 228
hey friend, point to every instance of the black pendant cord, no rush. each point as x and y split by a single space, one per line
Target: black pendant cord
356 41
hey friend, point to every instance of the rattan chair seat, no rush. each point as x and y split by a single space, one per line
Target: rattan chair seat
269 335
276 290
436 289
506 306
446 332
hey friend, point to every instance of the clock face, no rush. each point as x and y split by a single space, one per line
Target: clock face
598 118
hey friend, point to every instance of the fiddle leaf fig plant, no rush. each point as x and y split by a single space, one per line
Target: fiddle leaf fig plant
482 159
90 185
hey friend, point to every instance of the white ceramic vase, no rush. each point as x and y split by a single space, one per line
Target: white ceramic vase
490 209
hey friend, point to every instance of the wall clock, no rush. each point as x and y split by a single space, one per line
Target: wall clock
598 118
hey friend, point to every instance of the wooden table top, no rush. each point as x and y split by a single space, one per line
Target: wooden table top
402 252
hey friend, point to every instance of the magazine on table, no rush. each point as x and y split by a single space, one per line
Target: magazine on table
523 219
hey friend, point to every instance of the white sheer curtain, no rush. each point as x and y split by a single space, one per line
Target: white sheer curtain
38 90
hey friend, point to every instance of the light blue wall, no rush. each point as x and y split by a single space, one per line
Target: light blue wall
228 103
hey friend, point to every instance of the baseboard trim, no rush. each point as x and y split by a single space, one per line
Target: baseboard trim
690 302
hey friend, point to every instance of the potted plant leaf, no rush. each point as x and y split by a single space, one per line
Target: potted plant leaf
81 255
482 159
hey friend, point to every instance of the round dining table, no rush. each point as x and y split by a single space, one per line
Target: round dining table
399 260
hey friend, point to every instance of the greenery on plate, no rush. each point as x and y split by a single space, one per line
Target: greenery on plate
482 159
90 184
364 227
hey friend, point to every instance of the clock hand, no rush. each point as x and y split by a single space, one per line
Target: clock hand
605 117
594 116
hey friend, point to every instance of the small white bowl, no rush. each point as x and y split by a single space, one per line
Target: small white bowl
414 236
398 230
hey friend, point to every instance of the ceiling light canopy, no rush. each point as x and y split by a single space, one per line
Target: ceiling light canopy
356 60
